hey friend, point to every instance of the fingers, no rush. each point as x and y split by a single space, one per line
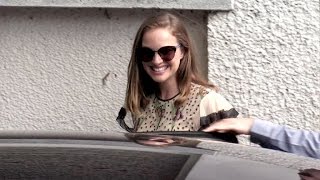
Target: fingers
220 126
310 174
211 128
235 125
302 177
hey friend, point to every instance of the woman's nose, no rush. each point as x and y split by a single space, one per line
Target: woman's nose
157 58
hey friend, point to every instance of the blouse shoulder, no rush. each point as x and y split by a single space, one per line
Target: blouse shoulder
200 90
213 102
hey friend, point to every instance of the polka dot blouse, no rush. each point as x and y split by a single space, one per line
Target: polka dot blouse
202 107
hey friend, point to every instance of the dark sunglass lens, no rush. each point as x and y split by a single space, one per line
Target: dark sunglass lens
167 53
145 54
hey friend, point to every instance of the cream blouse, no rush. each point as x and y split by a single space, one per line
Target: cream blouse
202 107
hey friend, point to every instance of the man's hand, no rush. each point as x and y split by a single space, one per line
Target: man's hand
309 174
236 125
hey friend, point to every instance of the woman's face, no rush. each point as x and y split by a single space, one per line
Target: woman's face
161 70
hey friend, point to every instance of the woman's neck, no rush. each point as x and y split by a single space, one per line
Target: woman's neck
168 91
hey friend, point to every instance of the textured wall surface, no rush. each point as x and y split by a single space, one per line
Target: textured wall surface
151 4
66 68
265 55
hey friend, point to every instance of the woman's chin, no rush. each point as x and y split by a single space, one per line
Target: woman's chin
158 79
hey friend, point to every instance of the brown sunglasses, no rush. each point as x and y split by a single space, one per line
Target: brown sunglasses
166 53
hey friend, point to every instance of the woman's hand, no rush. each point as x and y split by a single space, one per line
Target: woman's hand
236 125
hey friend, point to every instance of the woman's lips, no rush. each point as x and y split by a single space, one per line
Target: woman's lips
159 69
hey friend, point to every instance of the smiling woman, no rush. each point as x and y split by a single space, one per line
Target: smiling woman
164 90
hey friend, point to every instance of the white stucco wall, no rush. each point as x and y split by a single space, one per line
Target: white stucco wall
265 56
53 62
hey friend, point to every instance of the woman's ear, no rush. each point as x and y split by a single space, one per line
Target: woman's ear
182 52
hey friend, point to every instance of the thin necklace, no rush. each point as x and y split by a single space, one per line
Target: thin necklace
167 99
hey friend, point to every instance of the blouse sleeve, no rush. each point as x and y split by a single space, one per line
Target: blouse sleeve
214 107
122 122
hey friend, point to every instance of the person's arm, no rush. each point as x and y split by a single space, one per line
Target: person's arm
273 136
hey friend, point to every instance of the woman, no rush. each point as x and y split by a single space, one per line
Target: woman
164 90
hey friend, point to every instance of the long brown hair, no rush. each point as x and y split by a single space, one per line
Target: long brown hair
140 85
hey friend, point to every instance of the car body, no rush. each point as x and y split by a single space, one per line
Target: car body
118 155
